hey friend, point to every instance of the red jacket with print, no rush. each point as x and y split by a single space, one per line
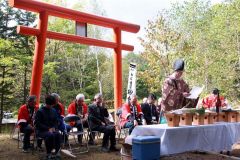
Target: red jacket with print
126 111
23 114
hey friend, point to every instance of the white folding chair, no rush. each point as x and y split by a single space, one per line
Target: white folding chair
76 148
93 134
122 132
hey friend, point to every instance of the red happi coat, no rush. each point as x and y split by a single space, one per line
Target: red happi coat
23 114
210 101
62 109
126 111
72 108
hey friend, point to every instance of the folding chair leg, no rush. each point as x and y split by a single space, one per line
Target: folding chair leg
18 136
13 131
92 135
86 149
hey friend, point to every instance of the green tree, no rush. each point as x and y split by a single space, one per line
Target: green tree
23 45
205 36
7 81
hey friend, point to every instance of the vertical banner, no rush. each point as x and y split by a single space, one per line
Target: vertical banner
131 89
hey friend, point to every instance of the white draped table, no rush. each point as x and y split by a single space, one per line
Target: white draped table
216 137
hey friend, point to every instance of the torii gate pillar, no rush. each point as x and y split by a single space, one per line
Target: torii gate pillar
117 70
38 59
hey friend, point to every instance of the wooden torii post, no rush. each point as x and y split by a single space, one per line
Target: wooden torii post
41 32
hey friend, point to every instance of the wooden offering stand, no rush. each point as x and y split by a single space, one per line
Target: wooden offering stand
186 119
212 117
238 117
172 119
232 116
206 119
222 117
198 119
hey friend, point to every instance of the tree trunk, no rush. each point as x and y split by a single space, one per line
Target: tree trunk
98 74
69 68
80 77
206 71
2 97
25 84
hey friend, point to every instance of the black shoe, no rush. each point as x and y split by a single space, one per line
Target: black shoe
104 149
49 157
80 143
58 157
25 150
114 149
91 143
30 146
228 153
27 147
40 149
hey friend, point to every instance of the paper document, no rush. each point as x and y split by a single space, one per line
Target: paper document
195 92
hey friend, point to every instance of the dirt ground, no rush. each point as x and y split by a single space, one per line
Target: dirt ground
10 151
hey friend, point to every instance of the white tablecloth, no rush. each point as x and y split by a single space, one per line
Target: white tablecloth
215 137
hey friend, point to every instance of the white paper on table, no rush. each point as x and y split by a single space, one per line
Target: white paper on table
195 92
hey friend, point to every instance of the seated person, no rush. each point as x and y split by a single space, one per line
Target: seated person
46 123
25 120
79 108
144 100
159 104
132 114
60 110
213 100
98 123
108 117
150 110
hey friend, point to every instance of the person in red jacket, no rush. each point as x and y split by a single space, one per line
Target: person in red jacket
132 114
80 109
25 120
210 102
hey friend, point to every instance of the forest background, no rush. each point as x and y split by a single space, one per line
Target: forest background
206 36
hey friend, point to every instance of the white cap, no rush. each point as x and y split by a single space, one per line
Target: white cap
80 96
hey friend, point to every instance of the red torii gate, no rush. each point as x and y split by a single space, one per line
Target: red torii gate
41 32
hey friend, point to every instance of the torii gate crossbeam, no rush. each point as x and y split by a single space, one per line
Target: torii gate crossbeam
41 32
